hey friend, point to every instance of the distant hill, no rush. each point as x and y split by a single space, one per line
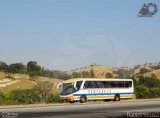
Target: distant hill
122 72
99 70
155 72
10 81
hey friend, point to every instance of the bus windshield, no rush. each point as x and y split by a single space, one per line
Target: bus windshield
67 88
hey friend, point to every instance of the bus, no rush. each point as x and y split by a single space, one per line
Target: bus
86 89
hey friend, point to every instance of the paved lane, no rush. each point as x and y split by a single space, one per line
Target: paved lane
108 109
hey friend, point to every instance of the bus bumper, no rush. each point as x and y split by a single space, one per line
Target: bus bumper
67 99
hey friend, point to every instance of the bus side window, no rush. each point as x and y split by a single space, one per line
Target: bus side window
87 84
109 84
90 84
93 84
78 84
128 83
113 84
120 84
100 84
106 84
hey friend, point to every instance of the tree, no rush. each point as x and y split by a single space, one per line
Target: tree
124 73
47 73
149 81
156 67
61 75
143 70
85 74
92 73
136 67
76 75
33 69
109 75
16 68
44 87
3 66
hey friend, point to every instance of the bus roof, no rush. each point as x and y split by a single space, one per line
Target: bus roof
95 79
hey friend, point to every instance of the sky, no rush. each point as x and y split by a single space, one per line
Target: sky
68 34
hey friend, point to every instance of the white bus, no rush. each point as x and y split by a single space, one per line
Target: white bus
84 89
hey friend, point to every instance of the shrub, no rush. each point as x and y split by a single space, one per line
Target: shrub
154 92
109 75
43 88
24 96
33 69
149 81
143 70
4 101
54 97
1 95
142 91
16 68
124 73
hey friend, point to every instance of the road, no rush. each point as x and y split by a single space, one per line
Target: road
96 110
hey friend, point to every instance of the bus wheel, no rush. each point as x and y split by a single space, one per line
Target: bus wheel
83 99
117 98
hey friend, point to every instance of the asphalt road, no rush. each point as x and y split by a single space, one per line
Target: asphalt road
102 110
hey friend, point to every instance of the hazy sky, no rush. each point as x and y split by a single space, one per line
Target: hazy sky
67 34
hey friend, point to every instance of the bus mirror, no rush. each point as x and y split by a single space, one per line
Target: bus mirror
59 86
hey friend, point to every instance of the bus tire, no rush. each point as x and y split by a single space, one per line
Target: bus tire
117 97
83 99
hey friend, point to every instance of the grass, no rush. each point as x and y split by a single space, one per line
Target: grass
156 72
2 75
24 82
99 71
20 84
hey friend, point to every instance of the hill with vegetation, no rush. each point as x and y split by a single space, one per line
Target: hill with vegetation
32 83
101 71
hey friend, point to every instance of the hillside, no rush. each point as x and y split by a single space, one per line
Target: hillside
155 72
22 81
10 82
99 70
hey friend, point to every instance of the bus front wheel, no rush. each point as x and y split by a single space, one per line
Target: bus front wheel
83 99
117 98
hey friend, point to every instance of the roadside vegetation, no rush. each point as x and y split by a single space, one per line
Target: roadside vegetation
32 69
147 87
146 81
42 93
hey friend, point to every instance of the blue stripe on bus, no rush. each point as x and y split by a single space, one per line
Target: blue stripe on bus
100 94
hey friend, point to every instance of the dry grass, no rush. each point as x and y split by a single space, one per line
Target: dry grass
136 71
100 71
21 84
25 82
54 81
2 75
156 72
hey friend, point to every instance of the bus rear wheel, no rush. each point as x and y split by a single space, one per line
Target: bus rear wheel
83 99
117 98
